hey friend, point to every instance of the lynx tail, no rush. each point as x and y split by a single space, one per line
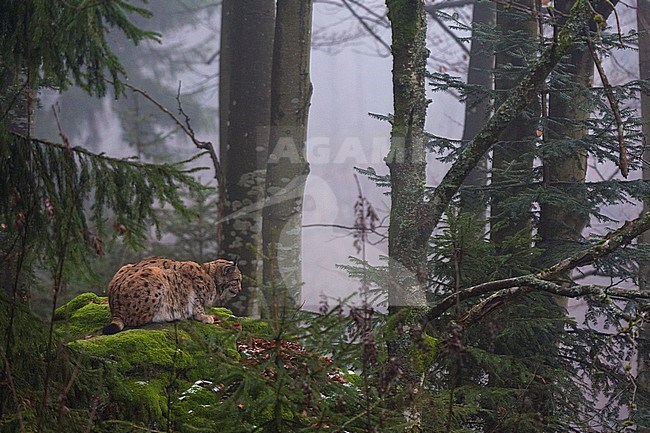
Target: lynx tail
114 327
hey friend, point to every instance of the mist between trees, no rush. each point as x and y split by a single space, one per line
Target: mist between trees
474 258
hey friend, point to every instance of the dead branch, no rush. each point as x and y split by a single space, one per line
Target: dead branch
548 279
500 298
434 7
185 127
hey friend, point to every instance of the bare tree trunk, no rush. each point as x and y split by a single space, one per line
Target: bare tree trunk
406 160
244 150
643 378
481 64
287 167
512 157
225 55
565 162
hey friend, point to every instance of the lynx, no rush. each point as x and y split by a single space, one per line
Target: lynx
158 289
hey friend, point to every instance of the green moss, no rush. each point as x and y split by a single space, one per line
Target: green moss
143 400
220 312
87 320
75 304
406 17
198 405
137 350
423 355
255 326
170 372
210 338
404 317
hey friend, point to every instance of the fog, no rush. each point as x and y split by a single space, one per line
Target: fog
351 77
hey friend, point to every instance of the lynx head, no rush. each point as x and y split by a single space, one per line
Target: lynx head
227 277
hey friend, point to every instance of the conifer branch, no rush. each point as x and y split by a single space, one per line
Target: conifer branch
519 98
69 176
112 160
450 33
547 279
10 383
622 148
207 146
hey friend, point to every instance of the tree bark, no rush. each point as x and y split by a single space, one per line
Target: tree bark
477 111
225 54
519 98
406 160
287 167
643 378
565 163
249 108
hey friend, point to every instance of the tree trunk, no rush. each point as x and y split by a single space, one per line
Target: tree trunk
643 378
406 160
225 55
565 163
249 94
287 167
512 157
481 65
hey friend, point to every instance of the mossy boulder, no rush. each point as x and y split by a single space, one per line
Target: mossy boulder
136 350
78 302
145 370
232 376
85 321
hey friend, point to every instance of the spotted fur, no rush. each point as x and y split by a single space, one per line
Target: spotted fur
163 290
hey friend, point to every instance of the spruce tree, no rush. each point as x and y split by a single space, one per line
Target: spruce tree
59 203
511 359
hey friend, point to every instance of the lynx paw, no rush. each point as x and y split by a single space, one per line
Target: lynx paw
205 318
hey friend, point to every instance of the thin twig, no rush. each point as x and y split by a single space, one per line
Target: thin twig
203 145
186 127
12 387
434 7
450 33
619 31
365 25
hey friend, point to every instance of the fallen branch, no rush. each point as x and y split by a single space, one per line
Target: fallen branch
547 280
501 297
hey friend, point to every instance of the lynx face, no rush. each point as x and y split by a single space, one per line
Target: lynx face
230 284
